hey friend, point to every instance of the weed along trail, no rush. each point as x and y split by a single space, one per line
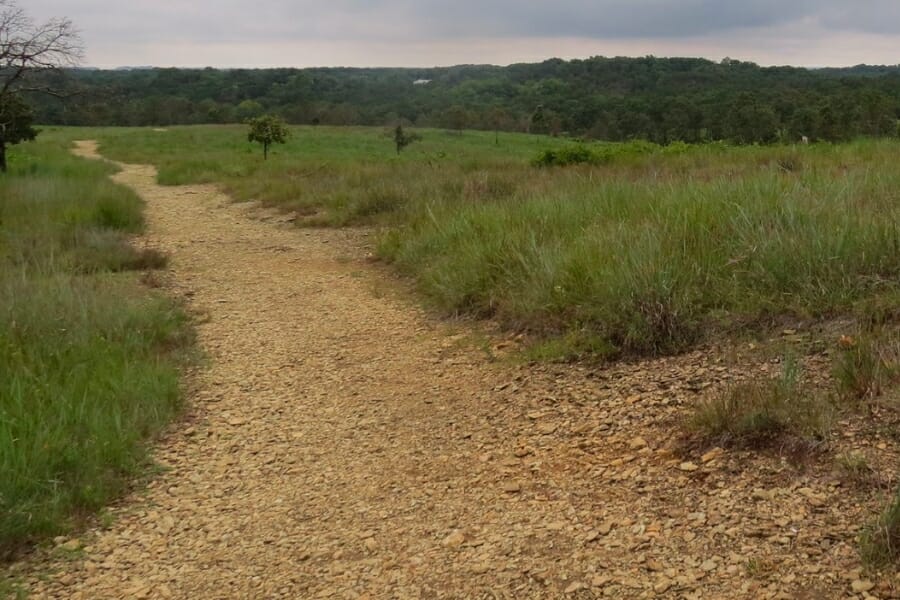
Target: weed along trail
342 445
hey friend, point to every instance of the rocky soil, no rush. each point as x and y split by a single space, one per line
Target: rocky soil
342 444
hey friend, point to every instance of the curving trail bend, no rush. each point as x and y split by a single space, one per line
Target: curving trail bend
343 445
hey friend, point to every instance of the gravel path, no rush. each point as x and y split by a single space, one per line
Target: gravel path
343 445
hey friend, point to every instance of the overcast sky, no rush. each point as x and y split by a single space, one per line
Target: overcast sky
419 33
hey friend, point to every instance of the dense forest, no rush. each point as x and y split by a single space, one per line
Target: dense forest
657 99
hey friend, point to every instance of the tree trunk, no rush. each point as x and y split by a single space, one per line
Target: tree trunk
2 156
265 151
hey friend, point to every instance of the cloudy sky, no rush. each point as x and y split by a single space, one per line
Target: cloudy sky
266 33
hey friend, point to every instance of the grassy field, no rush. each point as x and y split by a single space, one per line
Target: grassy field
89 356
649 252
644 251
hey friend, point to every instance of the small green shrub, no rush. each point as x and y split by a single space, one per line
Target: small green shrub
604 154
571 155
880 541
761 413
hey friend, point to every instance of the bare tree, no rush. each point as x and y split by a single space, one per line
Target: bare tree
27 48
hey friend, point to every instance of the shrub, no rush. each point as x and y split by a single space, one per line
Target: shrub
602 154
571 155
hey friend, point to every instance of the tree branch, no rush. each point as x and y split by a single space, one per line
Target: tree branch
26 47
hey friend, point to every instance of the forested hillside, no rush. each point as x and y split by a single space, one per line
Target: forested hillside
658 99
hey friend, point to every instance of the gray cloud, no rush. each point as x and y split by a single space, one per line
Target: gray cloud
871 16
405 22
609 18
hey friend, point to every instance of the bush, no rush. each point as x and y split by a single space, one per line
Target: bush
604 153
572 155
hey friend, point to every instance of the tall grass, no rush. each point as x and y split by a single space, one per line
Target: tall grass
87 354
649 251
654 265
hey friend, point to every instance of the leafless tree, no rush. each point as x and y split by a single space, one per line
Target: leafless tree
27 47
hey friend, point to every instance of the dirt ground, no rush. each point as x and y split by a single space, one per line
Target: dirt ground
343 444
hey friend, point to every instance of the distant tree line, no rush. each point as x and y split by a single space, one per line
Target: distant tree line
657 99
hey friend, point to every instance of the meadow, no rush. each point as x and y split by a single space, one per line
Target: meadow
627 250
631 250
647 250
90 356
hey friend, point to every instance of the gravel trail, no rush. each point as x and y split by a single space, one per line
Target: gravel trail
341 444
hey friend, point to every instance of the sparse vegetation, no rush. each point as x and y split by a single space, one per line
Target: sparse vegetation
854 468
880 542
764 412
759 567
89 355
867 364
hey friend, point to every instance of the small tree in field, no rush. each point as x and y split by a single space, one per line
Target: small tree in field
403 139
267 130
499 118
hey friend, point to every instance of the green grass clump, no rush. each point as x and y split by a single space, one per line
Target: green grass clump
867 364
880 541
854 468
88 355
763 412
